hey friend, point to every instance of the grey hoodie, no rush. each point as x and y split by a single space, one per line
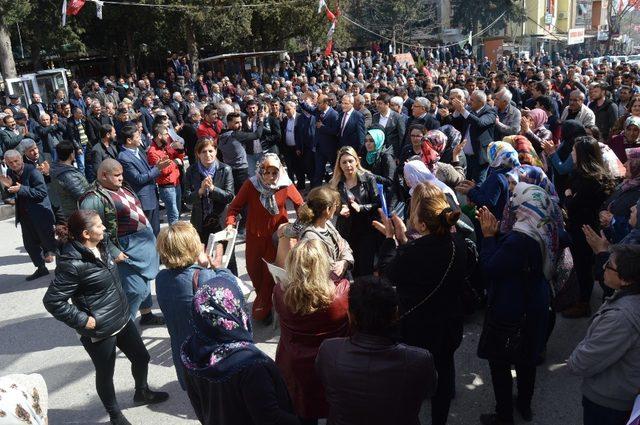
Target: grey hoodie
608 358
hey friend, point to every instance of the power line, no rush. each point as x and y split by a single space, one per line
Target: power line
199 7
484 30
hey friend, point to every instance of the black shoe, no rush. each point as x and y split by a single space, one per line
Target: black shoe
146 396
493 419
41 271
119 419
267 321
525 412
151 319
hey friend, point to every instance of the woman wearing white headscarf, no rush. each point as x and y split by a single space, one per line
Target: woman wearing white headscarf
264 195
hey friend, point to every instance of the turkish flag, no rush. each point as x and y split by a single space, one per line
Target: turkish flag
74 6
330 16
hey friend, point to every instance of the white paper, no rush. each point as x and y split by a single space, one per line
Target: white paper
278 273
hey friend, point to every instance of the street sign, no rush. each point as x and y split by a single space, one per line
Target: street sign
575 36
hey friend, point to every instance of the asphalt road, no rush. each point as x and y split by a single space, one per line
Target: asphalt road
31 341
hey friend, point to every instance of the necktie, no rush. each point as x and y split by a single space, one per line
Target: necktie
344 122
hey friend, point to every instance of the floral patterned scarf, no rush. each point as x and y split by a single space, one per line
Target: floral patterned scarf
222 341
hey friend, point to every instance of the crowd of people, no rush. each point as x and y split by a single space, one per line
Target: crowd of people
397 198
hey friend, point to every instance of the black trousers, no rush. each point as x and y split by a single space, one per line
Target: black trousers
583 260
502 386
441 401
103 356
37 238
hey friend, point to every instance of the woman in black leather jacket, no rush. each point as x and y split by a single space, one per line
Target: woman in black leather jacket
86 273
360 202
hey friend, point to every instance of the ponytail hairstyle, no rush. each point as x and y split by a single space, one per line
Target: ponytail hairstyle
77 223
430 207
319 200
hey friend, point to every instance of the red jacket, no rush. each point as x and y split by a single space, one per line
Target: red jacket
171 174
209 130
300 339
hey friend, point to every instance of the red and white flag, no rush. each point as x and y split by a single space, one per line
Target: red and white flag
74 7
321 4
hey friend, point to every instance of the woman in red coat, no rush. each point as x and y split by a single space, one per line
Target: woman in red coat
264 196
311 308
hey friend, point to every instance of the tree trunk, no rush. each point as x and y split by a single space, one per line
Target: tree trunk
192 45
130 52
7 64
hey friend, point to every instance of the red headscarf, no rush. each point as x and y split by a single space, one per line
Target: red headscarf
429 155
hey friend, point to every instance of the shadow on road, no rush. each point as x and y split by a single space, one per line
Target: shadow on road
17 282
34 333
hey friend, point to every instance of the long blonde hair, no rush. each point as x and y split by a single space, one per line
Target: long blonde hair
337 171
309 289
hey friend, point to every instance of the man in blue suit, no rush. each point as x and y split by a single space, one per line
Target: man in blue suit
326 135
139 175
33 210
352 131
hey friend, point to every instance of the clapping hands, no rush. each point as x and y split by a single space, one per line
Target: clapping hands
391 227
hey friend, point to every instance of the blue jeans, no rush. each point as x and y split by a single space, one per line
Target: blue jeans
595 414
171 197
136 289
252 160
80 157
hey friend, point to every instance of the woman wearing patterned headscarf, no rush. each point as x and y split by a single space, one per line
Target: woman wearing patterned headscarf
614 218
526 153
532 125
524 260
433 146
229 380
629 138
264 196
494 191
531 175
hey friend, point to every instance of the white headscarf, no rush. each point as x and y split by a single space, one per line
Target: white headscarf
416 171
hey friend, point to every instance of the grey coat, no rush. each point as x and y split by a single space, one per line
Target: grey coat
608 356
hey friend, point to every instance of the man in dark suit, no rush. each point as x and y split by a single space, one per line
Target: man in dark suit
298 137
145 114
326 135
478 125
36 108
140 175
392 122
95 120
352 130
33 211
420 115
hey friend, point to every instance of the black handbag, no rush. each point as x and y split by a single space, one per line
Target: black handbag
504 340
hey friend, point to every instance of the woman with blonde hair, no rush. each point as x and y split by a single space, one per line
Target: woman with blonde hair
181 252
430 295
311 308
360 200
